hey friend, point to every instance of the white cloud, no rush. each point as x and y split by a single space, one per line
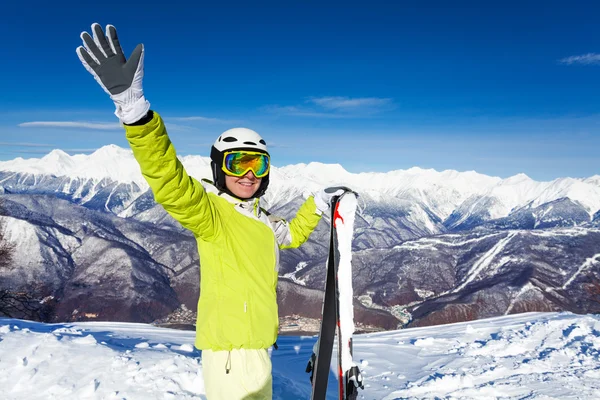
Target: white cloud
50 148
80 150
202 119
335 107
71 124
302 112
350 104
17 144
171 127
585 59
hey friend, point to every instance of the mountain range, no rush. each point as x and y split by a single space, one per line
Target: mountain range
430 247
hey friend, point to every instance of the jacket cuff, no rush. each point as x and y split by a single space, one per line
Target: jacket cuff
144 120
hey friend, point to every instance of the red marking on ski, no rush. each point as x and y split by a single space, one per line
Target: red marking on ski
341 382
337 215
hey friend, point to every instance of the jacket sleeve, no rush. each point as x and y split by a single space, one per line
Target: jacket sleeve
292 234
182 196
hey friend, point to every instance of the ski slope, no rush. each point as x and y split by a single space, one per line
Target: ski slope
533 356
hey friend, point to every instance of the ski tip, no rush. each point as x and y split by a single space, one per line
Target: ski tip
349 191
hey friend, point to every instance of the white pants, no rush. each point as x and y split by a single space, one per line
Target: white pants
237 374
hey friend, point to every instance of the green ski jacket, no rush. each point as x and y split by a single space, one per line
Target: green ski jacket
238 244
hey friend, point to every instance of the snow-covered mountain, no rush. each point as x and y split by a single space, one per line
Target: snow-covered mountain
562 212
596 219
431 246
96 263
430 201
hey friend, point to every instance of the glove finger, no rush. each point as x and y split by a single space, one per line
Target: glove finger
91 47
114 42
101 41
91 65
86 59
134 65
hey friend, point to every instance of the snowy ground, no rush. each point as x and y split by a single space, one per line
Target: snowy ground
526 356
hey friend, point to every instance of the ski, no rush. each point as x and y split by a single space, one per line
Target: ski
322 361
338 314
349 377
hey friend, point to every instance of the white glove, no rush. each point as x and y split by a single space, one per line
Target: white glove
324 196
120 78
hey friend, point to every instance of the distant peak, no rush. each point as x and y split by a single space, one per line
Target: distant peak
56 155
593 179
318 167
109 149
518 178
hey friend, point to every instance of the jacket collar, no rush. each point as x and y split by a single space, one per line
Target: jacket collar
249 204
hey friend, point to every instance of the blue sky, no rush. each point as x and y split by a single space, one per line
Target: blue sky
496 87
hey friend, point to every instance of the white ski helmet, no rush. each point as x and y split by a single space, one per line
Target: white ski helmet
236 139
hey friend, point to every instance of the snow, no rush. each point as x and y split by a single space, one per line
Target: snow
484 261
512 192
586 265
111 161
586 192
441 192
533 356
418 244
424 293
433 243
455 244
104 361
573 231
526 288
419 217
18 231
292 275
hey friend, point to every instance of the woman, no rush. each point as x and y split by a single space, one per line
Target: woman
238 241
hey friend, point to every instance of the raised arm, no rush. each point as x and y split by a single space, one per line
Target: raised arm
292 234
182 197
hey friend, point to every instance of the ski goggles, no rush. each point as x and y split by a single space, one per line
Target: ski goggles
238 163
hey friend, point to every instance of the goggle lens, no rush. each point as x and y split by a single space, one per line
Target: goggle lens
239 163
